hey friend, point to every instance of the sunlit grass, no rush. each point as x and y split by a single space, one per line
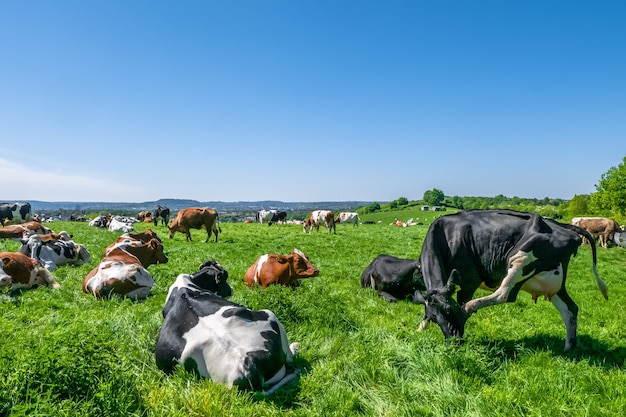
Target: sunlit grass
64 353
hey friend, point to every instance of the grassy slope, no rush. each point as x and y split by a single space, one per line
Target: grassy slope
65 353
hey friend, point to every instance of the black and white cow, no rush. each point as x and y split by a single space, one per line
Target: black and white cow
221 340
161 212
55 252
394 278
15 213
503 251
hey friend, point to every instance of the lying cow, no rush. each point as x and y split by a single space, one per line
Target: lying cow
221 340
118 225
286 270
195 218
122 271
19 231
19 271
394 278
318 218
503 251
54 250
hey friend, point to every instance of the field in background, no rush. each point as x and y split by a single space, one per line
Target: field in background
63 353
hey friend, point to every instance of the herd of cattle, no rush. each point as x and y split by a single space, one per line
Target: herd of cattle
502 251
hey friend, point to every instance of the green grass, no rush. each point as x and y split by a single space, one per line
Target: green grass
64 353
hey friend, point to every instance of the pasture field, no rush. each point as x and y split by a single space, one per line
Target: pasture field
64 353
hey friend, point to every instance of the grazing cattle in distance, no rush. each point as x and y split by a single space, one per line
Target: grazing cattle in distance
15 213
503 251
393 278
221 340
319 217
195 218
279 217
122 271
19 271
53 250
265 216
286 270
161 212
599 227
348 217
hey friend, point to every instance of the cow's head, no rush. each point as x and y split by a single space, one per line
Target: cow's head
301 267
442 308
212 276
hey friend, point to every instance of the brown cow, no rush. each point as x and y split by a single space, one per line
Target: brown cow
195 218
20 271
19 231
145 216
280 269
123 271
601 228
319 217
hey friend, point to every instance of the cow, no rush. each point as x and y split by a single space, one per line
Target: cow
14 231
195 218
218 339
503 251
53 252
318 217
21 272
348 217
393 278
117 225
15 213
145 216
286 270
161 212
122 271
266 216
279 217
602 228
619 239
101 221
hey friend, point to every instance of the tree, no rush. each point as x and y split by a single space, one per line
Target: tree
610 192
578 205
433 197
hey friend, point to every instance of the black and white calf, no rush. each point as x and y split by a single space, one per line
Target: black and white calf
221 340
502 251
393 278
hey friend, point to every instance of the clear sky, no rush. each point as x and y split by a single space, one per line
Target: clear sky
137 100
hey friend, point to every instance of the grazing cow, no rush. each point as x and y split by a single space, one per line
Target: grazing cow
348 217
503 251
599 227
162 212
19 271
394 278
54 250
221 340
280 269
122 271
318 217
265 216
195 218
15 213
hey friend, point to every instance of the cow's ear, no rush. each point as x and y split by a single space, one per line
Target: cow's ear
418 298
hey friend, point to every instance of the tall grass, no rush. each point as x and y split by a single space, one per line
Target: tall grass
64 353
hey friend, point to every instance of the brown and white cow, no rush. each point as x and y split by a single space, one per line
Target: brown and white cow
319 217
348 217
19 231
123 272
286 270
600 228
195 218
19 271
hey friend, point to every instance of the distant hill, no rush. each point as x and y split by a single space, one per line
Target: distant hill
177 204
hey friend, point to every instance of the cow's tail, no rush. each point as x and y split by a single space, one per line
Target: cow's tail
604 289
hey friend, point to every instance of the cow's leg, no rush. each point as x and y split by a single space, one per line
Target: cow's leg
501 295
569 313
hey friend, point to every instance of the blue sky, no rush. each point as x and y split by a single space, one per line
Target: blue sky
309 100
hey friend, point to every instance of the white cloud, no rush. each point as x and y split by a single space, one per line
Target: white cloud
21 182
